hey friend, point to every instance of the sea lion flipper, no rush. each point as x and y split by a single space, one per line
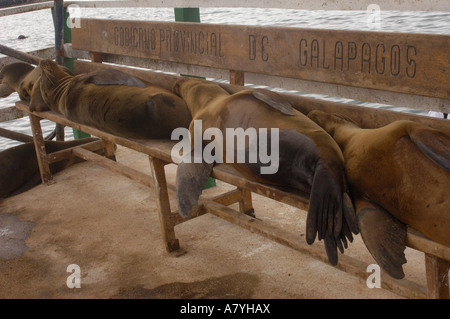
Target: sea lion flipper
434 144
112 77
384 237
324 211
274 100
190 180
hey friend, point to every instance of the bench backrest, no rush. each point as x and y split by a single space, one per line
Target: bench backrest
400 69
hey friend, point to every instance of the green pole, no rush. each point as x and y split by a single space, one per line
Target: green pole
68 63
192 15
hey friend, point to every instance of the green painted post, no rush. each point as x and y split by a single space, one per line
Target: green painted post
68 63
192 15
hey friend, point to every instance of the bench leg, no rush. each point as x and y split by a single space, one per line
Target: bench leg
245 204
110 149
437 277
41 154
162 199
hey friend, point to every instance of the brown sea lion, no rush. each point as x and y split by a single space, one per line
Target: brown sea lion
19 170
114 102
400 175
11 78
309 159
24 79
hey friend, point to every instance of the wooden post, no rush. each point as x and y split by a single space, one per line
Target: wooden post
162 199
245 203
437 277
237 77
41 154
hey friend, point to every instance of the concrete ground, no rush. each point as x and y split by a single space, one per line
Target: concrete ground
108 226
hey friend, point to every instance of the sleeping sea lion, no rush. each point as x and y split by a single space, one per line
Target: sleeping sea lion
309 159
24 79
11 78
114 102
19 170
400 175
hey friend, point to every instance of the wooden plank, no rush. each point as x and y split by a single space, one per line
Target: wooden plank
416 240
26 8
416 64
15 135
68 152
336 90
364 116
346 263
131 173
409 5
47 53
437 277
10 113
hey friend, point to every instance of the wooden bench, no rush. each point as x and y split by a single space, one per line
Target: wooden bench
206 50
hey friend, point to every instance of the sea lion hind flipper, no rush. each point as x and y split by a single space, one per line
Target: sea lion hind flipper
112 77
190 180
384 237
434 144
324 212
274 100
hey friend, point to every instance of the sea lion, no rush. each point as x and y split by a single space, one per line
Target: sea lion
24 79
309 159
12 76
400 175
19 170
114 102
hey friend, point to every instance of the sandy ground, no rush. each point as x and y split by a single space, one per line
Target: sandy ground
108 226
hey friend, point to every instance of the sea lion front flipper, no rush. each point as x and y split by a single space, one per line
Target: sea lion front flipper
325 211
112 77
274 100
191 178
384 237
434 144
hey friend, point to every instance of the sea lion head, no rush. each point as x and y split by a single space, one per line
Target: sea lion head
52 76
11 77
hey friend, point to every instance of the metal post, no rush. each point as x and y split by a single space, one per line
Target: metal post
58 21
